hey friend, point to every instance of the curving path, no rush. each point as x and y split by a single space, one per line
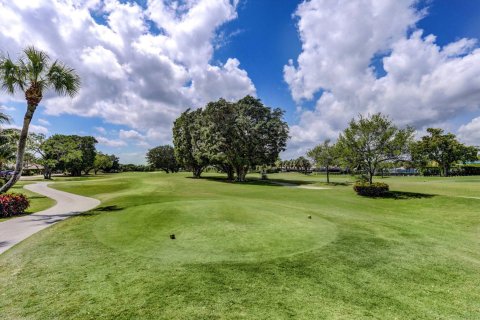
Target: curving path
15 230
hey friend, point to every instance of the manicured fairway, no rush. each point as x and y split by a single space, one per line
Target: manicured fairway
250 251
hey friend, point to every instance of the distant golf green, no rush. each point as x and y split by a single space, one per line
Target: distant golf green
252 251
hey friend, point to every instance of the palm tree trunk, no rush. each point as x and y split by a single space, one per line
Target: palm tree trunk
22 142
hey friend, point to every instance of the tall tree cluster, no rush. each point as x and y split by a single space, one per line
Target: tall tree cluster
233 136
72 154
370 144
441 148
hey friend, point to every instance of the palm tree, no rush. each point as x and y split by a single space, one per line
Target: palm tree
33 73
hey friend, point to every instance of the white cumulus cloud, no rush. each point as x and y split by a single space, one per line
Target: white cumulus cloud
470 133
141 65
368 56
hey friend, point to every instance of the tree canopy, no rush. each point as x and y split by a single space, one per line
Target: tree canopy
69 153
188 144
325 155
444 149
163 157
370 141
233 136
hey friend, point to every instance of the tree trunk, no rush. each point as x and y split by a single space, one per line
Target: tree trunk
22 141
197 172
241 173
328 175
47 173
228 169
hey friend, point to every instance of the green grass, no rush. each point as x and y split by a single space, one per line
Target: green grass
249 251
37 201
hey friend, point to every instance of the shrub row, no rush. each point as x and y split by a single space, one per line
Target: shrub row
375 189
12 204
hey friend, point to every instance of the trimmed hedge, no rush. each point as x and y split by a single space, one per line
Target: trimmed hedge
12 204
375 189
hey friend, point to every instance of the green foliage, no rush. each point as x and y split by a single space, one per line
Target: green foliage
234 136
69 153
33 73
187 141
376 189
443 149
163 157
35 70
303 164
325 155
130 167
102 162
8 146
369 142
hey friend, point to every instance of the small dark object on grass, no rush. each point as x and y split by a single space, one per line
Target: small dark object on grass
172 236
309 217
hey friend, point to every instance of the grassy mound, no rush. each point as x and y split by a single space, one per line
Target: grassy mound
213 231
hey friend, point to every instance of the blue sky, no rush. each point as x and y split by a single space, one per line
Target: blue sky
323 62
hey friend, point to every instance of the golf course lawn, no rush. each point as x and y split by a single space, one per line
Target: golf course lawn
250 251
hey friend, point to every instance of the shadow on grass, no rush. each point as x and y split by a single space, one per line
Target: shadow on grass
335 184
36 197
109 208
99 210
258 181
401 195
275 182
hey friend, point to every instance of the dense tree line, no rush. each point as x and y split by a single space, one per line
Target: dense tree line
71 154
300 164
232 136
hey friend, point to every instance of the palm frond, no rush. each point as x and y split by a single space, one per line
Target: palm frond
11 75
4 118
63 79
37 63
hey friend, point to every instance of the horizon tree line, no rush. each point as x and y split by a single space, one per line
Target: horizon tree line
369 144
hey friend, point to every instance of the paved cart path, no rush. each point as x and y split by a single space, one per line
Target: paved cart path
15 230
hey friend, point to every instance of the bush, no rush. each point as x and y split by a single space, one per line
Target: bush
12 204
375 189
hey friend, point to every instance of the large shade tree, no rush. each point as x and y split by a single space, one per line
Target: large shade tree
33 74
163 158
69 153
369 142
243 134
